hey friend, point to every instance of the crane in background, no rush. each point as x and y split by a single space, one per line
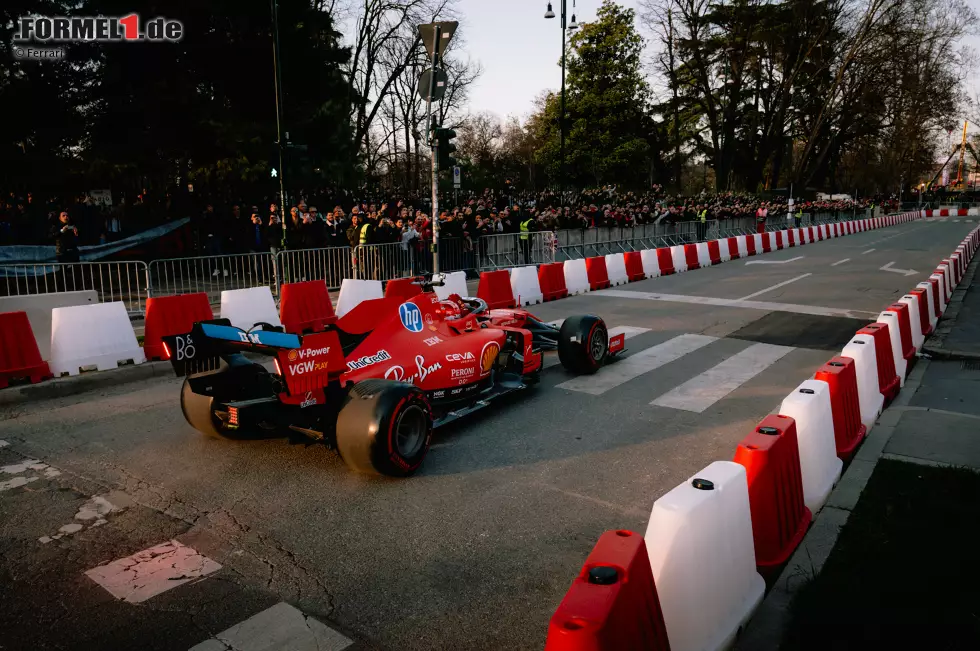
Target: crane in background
960 149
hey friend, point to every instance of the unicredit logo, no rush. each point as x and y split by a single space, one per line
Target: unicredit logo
368 360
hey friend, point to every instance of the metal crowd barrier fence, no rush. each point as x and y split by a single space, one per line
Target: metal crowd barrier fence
510 250
127 281
212 274
330 265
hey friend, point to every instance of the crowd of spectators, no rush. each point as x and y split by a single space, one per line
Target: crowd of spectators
333 217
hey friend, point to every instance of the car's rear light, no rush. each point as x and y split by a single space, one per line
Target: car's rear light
233 415
278 368
166 350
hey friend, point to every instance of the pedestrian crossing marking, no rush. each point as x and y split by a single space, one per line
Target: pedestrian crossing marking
704 390
628 368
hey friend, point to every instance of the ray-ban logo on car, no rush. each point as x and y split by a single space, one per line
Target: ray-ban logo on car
411 317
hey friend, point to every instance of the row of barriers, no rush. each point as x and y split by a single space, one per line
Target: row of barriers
84 334
734 524
134 282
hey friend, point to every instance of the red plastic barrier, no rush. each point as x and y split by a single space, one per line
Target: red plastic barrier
173 315
771 456
612 604
305 308
943 212
954 273
714 252
840 375
750 245
634 266
551 277
766 243
936 288
779 240
813 236
19 356
904 328
494 288
691 256
947 280
888 380
665 260
733 247
403 288
596 270
791 237
962 212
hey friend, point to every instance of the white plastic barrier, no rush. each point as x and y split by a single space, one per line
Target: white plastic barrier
246 307
895 335
455 283
353 292
576 277
913 302
699 540
616 269
98 335
704 256
941 280
956 263
757 238
743 247
803 236
651 265
931 302
680 260
525 286
950 282
724 251
38 308
809 406
861 349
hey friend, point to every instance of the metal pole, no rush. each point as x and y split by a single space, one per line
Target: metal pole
561 116
434 143
279 110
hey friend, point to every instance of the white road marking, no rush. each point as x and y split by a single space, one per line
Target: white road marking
628 368
145 574
776 286
868 251
278 627
23 466
799 257
956 221
702 391
793 308
16 482
3 444
91 512
906 272
841 262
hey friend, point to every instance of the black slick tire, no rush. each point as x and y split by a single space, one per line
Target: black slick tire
583 344
384 428
199 412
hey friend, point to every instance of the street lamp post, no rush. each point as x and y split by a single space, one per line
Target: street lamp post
549 14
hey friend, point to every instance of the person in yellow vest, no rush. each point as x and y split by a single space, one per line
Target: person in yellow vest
527 225
702 224
799 217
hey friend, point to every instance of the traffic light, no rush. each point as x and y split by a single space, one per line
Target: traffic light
444 139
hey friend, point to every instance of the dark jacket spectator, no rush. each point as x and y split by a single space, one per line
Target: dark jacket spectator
65 236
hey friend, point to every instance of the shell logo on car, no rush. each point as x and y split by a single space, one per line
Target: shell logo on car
293 355
489 356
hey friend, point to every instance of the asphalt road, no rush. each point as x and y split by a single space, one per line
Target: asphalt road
475 551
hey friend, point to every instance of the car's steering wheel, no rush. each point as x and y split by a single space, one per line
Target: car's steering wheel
470 306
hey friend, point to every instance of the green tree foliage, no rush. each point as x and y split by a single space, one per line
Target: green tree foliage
611 136
150 115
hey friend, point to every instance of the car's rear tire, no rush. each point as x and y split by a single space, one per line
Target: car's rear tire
199 412
385 428
583 344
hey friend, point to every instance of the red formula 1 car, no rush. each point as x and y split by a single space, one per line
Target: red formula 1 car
377 382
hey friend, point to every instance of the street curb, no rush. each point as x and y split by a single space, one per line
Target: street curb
69 386
766 628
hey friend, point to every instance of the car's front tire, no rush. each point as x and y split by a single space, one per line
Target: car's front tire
385 428
583 344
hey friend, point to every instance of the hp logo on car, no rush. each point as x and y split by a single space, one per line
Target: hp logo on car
411 317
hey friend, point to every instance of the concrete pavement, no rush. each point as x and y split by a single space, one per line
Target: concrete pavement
477 550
